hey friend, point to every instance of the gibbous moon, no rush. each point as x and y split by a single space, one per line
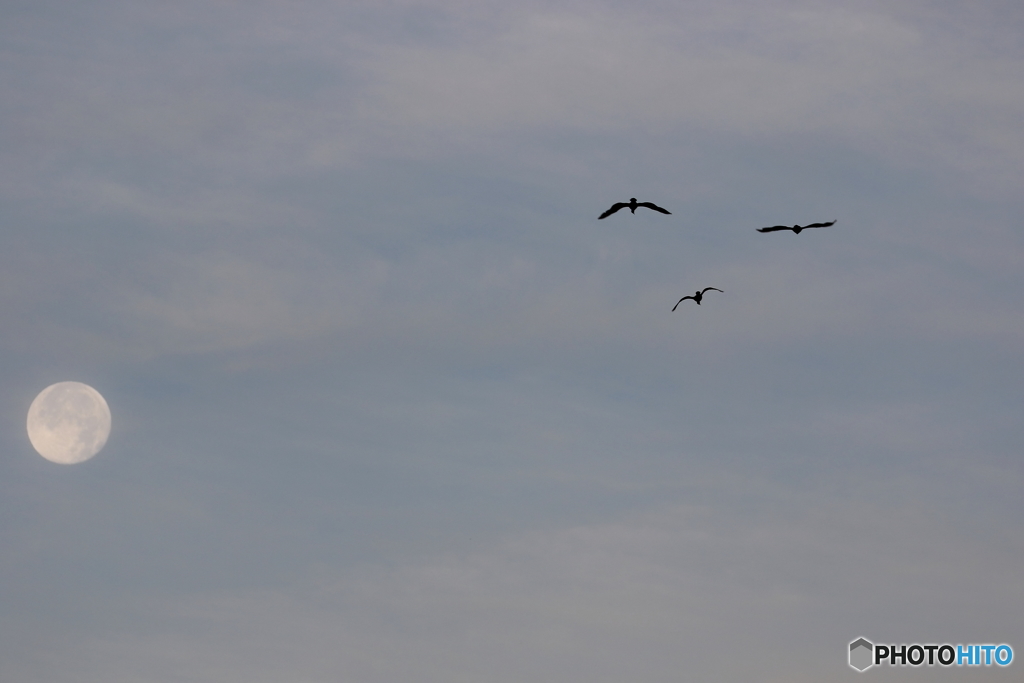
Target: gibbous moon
68 423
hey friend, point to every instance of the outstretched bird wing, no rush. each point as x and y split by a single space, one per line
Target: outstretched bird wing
609 212
774 228
820 225
682 300
650 205
714 288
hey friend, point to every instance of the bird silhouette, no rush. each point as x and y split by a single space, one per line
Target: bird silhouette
795 228
632 205
697 296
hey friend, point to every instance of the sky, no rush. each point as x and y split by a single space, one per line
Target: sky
391 404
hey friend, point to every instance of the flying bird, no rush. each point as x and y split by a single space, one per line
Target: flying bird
795 228
697 296
632 205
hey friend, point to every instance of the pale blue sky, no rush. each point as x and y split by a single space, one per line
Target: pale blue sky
390 404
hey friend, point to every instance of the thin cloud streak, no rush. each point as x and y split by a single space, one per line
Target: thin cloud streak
648 583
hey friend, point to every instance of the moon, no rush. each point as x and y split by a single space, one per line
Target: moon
68 423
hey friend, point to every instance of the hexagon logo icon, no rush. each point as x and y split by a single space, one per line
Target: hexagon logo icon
861 654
